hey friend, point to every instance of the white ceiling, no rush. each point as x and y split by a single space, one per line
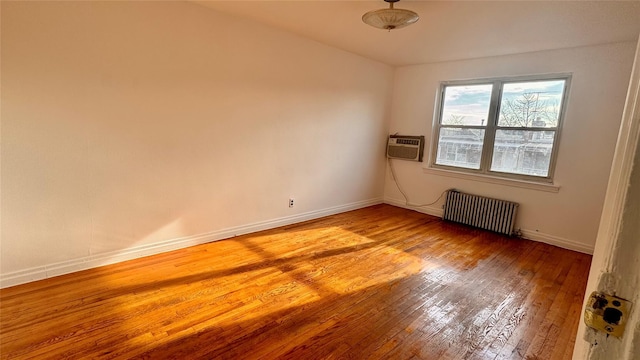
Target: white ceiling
447 30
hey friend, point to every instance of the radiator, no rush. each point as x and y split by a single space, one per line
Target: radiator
479 211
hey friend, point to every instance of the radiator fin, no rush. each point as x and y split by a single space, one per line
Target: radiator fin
481 212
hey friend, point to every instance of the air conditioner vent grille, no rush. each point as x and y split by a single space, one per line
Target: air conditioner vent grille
408 141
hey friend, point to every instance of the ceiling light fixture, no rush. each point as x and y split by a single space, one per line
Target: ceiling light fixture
389 19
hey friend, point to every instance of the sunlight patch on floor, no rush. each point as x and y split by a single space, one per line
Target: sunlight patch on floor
295 280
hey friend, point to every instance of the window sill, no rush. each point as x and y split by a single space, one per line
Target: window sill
494 180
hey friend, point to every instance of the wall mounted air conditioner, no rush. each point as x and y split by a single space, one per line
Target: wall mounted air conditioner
405 147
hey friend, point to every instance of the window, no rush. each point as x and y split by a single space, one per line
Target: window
504 127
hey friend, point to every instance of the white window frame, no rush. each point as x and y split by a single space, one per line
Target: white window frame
491 127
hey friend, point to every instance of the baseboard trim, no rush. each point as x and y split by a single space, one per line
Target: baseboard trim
429 210
527 234
93 261
557 241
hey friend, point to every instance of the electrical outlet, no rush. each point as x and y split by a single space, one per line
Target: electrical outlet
290 202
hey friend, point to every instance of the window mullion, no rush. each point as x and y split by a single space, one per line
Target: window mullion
490 132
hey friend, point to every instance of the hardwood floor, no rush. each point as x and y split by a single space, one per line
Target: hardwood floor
376 283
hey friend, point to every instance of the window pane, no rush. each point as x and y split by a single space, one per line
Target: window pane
531 104
466 104
522 152
460 147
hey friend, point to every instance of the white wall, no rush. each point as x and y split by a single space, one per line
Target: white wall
570 217
130 128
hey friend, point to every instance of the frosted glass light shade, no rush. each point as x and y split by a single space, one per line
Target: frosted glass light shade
390 19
